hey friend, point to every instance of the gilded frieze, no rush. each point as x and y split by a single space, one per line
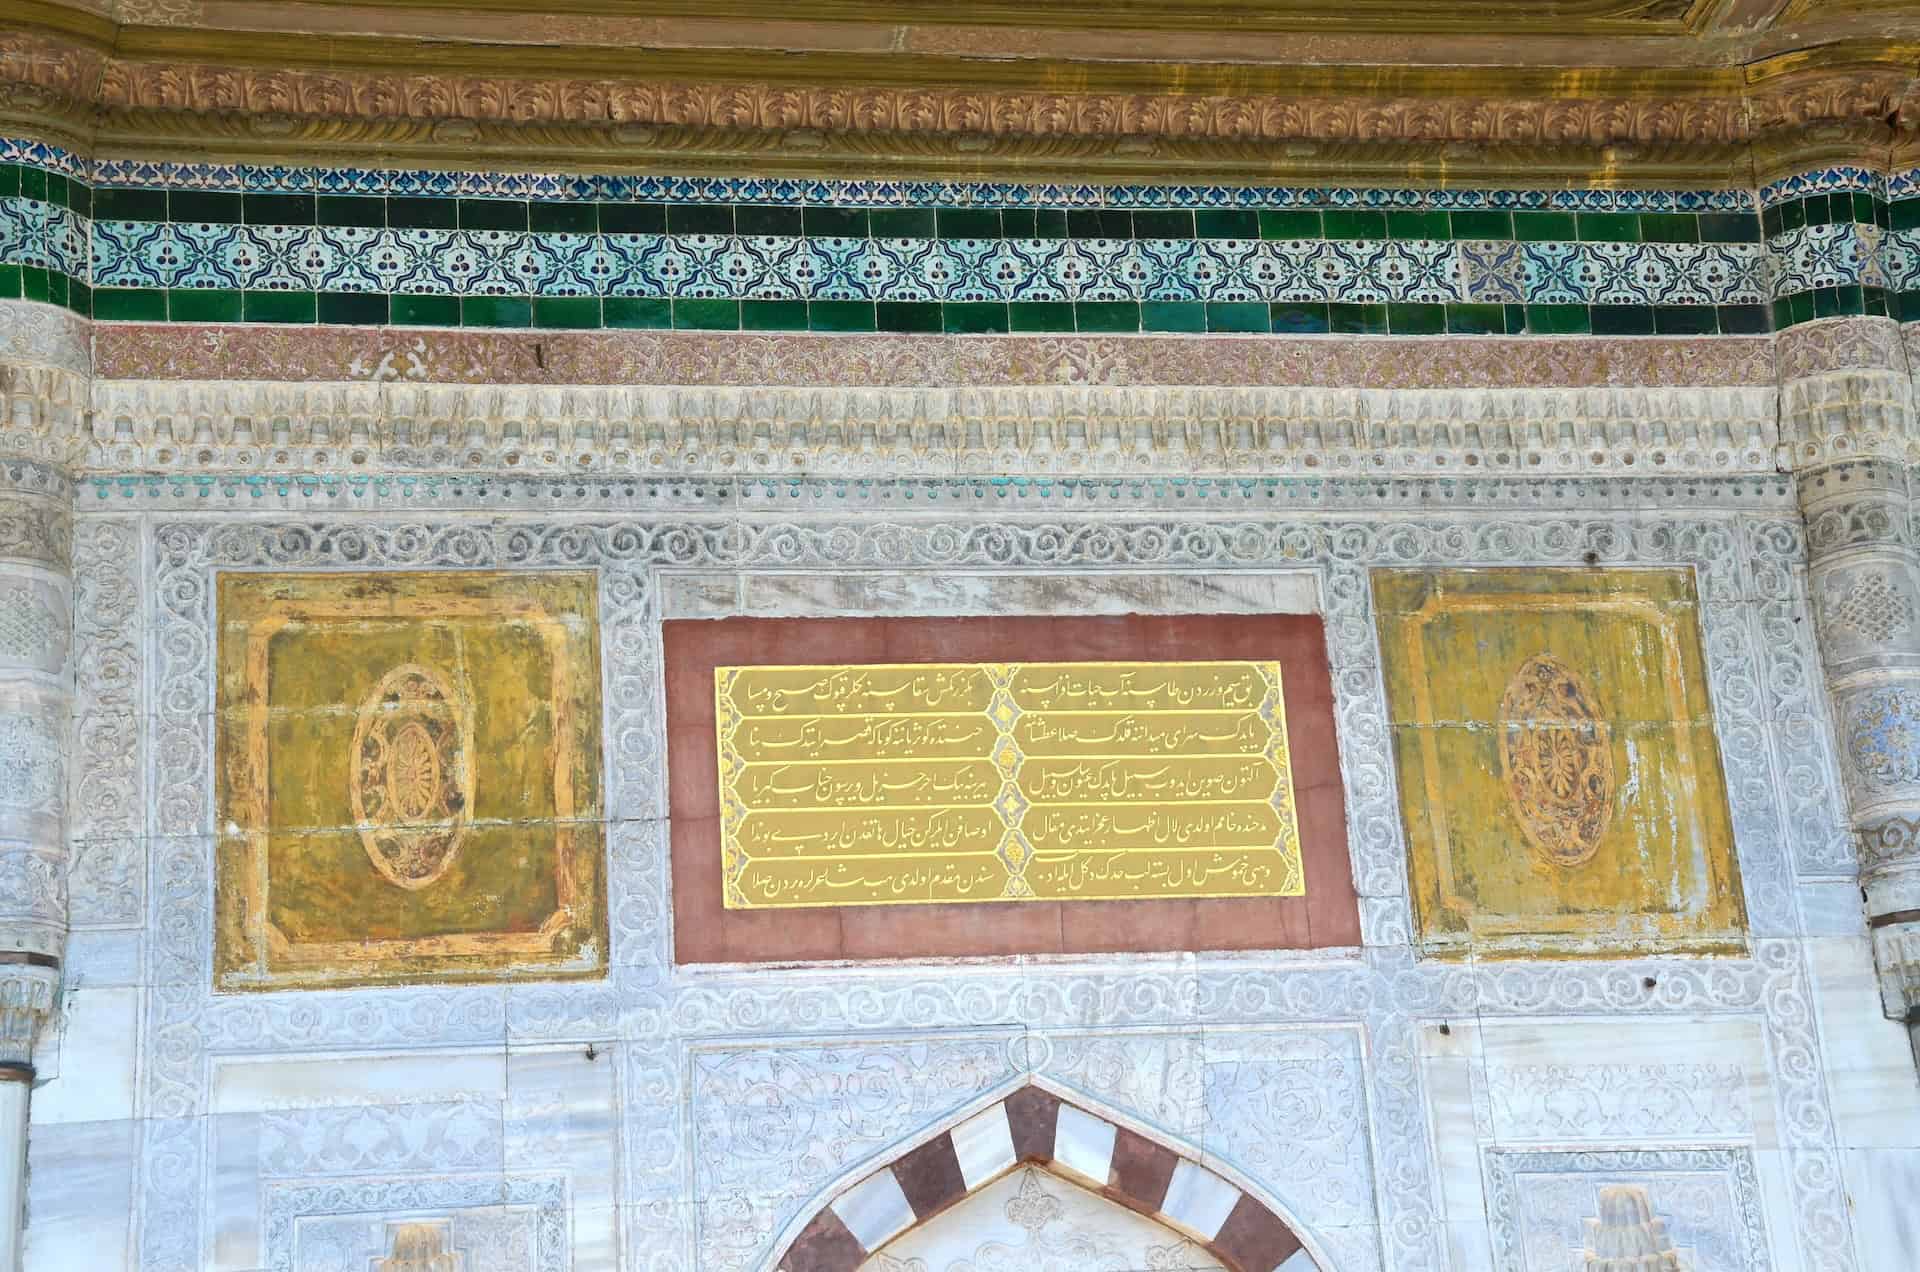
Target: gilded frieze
409 778
1560 779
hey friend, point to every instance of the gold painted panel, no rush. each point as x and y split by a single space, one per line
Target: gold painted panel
1560 780
920 783
409 779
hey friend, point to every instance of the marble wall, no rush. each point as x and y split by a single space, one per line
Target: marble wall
1393 1112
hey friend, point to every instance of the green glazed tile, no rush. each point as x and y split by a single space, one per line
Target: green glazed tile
1018 223
881 222
1793 215
1800 307
633 313
699 218
420 213
1622 320
566 312
277 209
1227 223
33 185
973 318
1742 320
1476 319
1669 227
210 304
493 214
130 304
1302 223
1298 318
632 218
1040 315
280 306
119 205
80 198
1169 223
840 315
554 217
1357 320
705 315
1819 209
1416 320
358 210
1685 320
9 282
203 207
757 221
1559 320
1543 227
1106 316
496 311
1609 227
1782 314
1904 214
1188 316
1050 223
1516 319
59 287
56 190
1093 223
426 311
839 223
1906 306
1876 301
1481 225
1417 225
80 298
967 223
9 180
1728 227
34 283
1243 316
773 315
908 316
354 309
1352 223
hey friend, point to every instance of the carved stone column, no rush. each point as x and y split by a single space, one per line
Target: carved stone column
1848 421
42 390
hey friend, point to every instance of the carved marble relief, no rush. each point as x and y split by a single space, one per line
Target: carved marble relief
1560 777
409 778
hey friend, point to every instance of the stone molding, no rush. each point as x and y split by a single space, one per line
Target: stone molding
345 428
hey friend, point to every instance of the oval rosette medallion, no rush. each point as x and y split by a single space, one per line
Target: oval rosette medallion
412 775
1556 756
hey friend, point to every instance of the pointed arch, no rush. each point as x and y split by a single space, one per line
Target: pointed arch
1035 1125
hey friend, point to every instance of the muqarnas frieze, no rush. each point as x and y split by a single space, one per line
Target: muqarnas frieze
1560 779
409 779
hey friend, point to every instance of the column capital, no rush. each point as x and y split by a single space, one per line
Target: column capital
27 994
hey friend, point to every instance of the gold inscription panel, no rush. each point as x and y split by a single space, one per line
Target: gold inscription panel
938 782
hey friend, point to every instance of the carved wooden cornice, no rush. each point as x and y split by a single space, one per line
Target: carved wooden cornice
167 91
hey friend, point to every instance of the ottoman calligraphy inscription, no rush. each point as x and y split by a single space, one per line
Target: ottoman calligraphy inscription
1560 778
408 780
892 784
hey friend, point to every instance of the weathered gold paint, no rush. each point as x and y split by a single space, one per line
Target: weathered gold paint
1597 822
892 784
409 778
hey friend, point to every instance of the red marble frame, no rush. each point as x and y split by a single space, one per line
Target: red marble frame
706 932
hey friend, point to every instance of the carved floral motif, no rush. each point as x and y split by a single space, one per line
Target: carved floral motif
1556 756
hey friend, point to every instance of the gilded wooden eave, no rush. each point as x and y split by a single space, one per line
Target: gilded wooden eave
197 90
